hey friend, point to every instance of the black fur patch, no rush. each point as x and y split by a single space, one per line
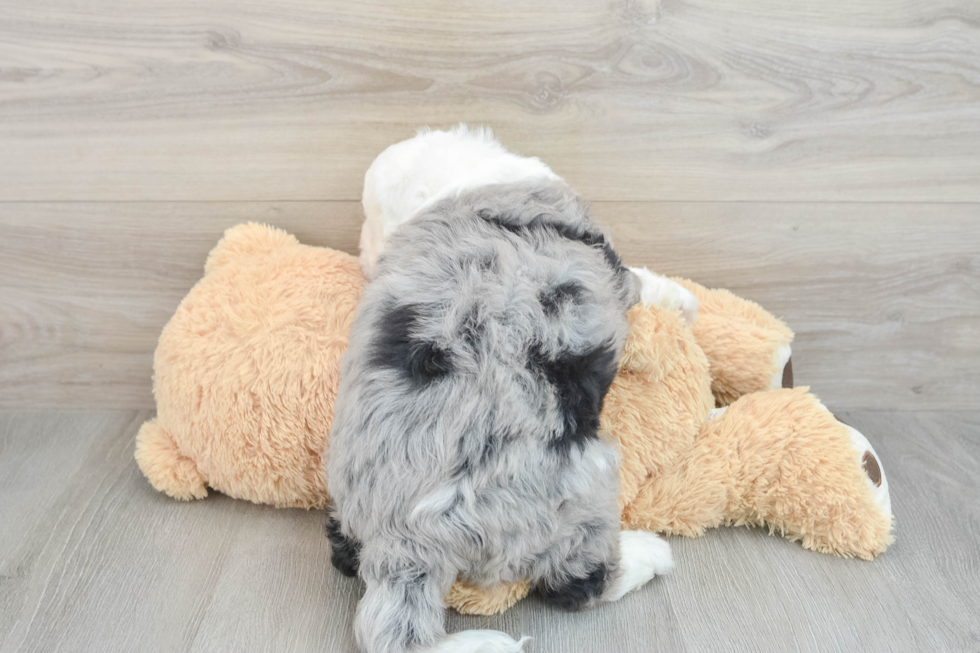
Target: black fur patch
590 238
612 258
539 222
577 593
578 233
345 551
421 361
581 382
553 299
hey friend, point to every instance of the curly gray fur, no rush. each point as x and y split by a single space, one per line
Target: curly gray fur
466 436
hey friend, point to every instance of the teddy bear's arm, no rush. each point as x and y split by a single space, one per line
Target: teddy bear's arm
749 349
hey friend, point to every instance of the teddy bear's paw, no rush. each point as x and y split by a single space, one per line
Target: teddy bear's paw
643 555
665 293
478 641
783 364
874 473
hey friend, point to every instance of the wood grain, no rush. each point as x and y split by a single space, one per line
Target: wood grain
630 100
86 288
92 559
885 300
820 158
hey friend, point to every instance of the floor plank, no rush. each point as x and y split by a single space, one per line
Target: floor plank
630 100
885 298
92 559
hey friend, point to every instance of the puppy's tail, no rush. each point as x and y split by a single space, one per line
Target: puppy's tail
402 611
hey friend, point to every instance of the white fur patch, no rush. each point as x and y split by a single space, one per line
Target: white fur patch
413 174
779 361
643 555
656 290
478 641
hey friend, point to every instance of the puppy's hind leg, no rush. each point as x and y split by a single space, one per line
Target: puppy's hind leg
402 610
643 555
345 551
584 578
577 570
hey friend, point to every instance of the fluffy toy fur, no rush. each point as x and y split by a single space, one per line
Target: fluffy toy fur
775 458
466 434
247 369
246 376
246 372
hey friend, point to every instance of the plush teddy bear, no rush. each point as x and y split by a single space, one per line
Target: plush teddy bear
774 458
246 372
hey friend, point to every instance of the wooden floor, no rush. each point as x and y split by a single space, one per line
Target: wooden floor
822 158
92 559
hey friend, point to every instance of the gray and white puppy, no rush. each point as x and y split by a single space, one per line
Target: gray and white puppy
466 436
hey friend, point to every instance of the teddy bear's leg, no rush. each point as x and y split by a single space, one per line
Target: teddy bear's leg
167 469
874 471
778 459
803 473
662 292
748 348
467 598
689 496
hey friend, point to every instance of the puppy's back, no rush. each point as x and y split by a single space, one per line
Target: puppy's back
466 429
496 318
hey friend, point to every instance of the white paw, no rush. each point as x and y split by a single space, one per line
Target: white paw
661 291
782 378
478 641
643 555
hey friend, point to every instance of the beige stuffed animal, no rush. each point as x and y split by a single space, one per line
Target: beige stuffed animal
246 373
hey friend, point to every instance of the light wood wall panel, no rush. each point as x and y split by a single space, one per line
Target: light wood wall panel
885 298
630 100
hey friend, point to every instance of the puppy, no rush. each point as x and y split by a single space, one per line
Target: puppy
413 174
465 439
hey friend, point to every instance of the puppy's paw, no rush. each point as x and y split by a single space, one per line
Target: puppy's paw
478 641
643 555
661 291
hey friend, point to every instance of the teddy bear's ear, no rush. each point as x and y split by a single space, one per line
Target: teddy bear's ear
657 339
643 349
246 239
